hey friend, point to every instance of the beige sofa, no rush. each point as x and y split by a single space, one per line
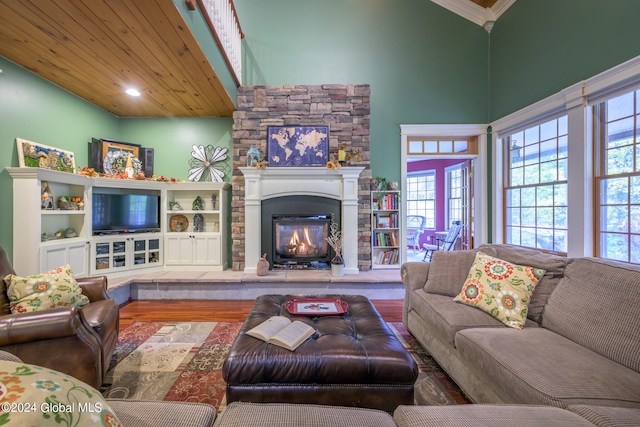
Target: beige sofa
580 344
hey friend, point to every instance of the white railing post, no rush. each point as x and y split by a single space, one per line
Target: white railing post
222 17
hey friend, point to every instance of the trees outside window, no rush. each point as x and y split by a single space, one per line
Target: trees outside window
617 172
535 194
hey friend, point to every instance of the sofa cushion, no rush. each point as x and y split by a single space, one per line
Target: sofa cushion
538 366
449 270
239 414
500 288
553 265
45 291
597 305
147 413
607 416
44 397
486 415
448 317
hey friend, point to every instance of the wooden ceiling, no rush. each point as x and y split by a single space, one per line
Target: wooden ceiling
98 48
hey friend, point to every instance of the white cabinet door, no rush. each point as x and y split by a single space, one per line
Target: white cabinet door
57 255
179 250
207 250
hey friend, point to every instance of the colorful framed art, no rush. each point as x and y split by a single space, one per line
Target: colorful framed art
36 155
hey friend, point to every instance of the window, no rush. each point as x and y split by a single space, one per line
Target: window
441 146
617 172
454 194
421 197
535 196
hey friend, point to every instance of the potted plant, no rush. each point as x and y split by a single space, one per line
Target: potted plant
335 241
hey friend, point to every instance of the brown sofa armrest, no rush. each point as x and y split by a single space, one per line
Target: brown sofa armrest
95 288
59 339
42 325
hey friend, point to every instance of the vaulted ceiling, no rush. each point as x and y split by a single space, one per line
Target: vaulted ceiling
97 49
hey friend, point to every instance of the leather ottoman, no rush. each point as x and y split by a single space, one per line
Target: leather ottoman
352 360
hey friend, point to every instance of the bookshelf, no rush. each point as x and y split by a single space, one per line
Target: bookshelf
385 230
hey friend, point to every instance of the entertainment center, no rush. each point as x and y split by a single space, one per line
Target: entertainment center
124 226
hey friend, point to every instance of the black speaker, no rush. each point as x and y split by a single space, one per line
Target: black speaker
95 155
146 157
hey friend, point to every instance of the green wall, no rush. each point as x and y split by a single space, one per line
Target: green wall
172 139
424 63
34 109
539 47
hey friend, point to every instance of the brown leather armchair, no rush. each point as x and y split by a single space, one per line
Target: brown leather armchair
78 341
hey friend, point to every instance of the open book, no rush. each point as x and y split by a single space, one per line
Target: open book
281 331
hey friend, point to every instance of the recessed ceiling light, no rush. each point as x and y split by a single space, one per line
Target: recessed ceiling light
132 92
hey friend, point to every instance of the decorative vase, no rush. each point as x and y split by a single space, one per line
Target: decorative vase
263 266
337 269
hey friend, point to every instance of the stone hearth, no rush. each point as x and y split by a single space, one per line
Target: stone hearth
340 184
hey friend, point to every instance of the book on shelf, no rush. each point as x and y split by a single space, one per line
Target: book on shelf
388 257
281 331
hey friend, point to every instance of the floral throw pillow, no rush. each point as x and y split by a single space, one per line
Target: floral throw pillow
34 396
500 288
55 288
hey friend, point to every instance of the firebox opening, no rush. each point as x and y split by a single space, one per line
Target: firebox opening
300 241
297 212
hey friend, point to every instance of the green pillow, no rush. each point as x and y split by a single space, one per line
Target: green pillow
500 288
53 289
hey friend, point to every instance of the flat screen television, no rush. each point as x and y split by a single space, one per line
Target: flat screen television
125 213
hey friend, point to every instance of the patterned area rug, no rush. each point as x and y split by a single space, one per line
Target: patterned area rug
183 362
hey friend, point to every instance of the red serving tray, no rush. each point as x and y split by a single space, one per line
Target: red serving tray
293 306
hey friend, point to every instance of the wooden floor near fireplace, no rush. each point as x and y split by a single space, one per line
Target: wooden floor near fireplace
216 311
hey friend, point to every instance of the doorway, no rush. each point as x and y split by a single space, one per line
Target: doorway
459 193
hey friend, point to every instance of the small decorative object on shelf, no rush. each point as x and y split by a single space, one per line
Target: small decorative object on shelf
263 266
198 223
378 184
45 196
198 204
335 241
253 156
178 223
214 201
67 203
69 233
175 206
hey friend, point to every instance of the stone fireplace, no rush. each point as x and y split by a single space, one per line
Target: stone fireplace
346 110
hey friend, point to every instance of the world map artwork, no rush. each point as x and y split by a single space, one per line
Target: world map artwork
298 145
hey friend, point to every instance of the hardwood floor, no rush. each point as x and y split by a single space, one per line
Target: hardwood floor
216 311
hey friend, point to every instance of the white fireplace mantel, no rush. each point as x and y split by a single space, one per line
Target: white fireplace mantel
340 184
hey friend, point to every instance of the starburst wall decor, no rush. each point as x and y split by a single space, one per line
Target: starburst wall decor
208 163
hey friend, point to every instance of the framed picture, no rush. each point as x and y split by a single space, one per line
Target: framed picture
113 155
298 145
34 155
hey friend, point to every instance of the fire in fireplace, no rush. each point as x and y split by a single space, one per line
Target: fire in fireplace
300 241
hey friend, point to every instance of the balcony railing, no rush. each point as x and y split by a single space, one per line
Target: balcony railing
223 22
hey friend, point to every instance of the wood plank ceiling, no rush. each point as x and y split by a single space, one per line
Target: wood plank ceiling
98 48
